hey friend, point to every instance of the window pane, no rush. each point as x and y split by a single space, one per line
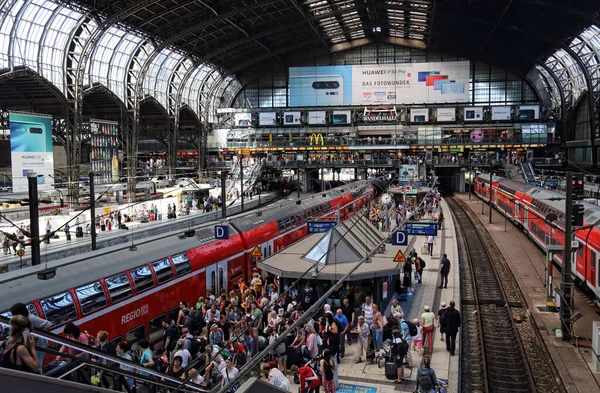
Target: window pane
163 270
155 328
59 309
119 287
134 336
142 278
91 297
182 264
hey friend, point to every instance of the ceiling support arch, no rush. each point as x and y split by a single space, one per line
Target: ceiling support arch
563 109
590 102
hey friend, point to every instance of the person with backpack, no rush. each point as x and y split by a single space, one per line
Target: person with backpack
327 366
37 323
426 378
183 353
400 349
408 331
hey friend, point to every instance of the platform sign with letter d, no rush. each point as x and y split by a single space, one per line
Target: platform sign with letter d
221 232
400 238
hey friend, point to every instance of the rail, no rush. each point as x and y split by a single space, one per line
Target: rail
514 354
81 369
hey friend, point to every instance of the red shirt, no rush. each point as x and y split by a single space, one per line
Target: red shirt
308 375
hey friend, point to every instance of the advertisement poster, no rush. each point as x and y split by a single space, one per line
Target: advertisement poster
105 145
267 118
408 172
446 114
474 114
410 83
292 118
31 150
317 118
242 119
529 112
501 113
420 115
342 117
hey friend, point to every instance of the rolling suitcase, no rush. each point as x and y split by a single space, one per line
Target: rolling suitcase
391 372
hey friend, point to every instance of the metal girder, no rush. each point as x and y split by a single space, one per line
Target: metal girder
268 32
590 100
100 88
78 58
563 117
7 74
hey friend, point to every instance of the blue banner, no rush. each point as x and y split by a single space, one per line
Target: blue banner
422 229
320 226
350 388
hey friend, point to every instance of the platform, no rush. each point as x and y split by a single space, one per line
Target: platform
573 361
61 248
446 366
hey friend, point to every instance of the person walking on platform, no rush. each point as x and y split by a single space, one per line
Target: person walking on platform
440 323
451 320
444 271
430 243
426 379
427 321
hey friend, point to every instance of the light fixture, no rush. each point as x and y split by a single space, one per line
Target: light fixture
47 274
298 202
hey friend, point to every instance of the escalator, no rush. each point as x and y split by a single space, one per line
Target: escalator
94 372
528 175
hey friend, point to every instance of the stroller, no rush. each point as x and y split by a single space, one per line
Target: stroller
384 354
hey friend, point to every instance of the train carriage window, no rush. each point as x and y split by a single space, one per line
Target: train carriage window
119 287
30 307
173 314
142 278
134 336
163 270
299 219
59 309
116 340
281 225
155 329
182 264
580 252
286 221
293 220
91 297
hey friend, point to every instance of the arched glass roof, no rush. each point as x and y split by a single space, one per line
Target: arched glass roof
157 78
35 34
112 57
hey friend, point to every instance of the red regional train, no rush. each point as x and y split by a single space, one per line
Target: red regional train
527 206
128 293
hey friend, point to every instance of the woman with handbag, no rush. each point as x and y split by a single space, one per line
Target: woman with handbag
229 373
364 335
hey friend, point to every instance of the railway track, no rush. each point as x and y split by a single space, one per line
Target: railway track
500 349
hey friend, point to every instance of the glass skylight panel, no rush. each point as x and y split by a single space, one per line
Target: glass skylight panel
191 90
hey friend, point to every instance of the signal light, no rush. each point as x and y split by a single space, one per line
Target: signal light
578 189
577 215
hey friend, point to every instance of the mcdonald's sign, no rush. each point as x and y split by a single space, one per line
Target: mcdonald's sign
316 137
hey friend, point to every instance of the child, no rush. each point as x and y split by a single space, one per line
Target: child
383 352
418 339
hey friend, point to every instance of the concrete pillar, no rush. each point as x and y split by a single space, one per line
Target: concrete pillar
461 181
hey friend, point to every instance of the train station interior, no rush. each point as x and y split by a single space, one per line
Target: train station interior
353 196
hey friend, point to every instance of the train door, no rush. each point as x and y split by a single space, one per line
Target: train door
593 262
517 208
216 277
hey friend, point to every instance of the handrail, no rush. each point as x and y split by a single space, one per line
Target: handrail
143 373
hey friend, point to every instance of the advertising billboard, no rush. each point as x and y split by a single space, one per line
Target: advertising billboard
474 114
446 114
31 150
292 118
105 147
342 117
267 118
419 115
380 84
317 118
501 113
242 119
408 172
529 112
